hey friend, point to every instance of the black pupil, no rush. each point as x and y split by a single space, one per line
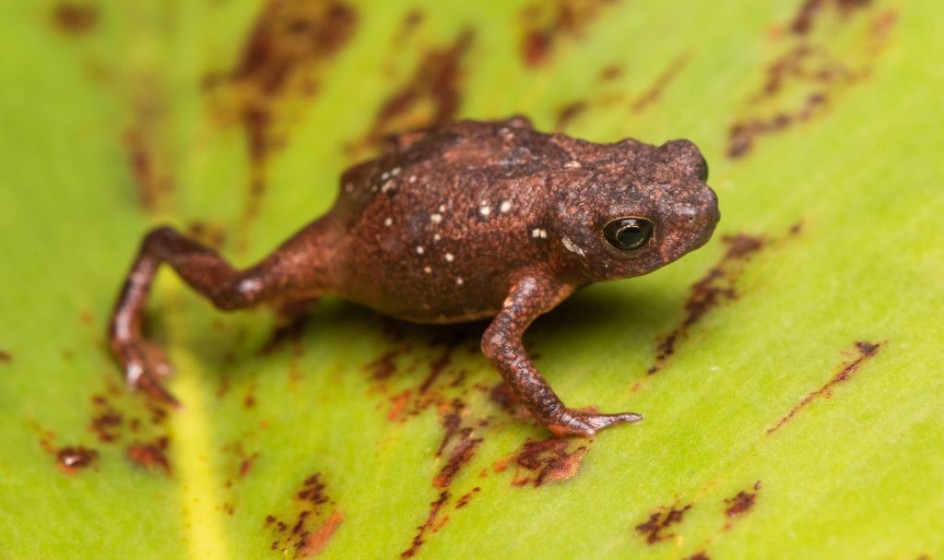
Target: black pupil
628 234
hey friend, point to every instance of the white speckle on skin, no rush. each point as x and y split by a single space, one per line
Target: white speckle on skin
573 164
249 286
388 222
412 179
571 246
459 281
435 218
134 373
388 186
436 237
450 257
442 207
505 206
384 176
485 210
427 269
349 187
539 233
420 250
395 171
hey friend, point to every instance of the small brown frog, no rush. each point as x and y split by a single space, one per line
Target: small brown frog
469 221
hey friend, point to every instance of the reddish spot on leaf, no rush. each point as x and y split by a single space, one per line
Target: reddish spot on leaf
151 454
553 459
316 541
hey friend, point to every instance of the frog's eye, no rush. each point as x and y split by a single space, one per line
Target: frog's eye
628 234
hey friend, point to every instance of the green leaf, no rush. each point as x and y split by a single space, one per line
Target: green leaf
789 371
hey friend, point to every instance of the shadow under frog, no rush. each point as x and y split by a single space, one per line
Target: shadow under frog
469 221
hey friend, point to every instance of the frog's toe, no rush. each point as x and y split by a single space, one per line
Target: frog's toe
578 422
145 363
155 359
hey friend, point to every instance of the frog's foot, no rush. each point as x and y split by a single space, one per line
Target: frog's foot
585 423
144 364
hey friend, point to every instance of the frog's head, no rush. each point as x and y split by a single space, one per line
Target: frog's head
634 214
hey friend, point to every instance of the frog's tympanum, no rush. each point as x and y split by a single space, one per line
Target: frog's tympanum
469 221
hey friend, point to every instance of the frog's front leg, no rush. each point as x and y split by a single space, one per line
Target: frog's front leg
278 277
531 296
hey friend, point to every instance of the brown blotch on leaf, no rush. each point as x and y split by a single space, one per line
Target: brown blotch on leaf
701 555
383 367
245 467
459 445
106 421
742 502
71 459
714 289
151 454
610 73
311 530
662 81
864 351
569 112
411 21
5 357
289 328
809 75
286 50
467 497
286 42
553 459
75 18
655 528
742 135
429 99
438 365
810 10
149 169
545 22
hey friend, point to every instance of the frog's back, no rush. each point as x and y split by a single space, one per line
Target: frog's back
433 227
425 161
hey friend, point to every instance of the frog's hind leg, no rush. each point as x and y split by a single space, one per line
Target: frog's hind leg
295 271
